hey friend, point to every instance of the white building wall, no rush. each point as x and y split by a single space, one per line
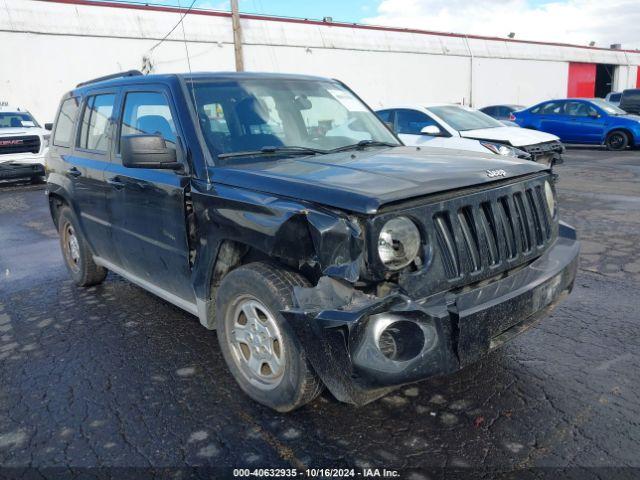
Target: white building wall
523 82
625 77
48 47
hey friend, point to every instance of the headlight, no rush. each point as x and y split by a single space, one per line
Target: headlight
399 243
46 139
505 150
550 197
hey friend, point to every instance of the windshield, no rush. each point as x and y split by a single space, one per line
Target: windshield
251 114
16 120
607 107
463 118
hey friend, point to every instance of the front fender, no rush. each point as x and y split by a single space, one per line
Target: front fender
296 233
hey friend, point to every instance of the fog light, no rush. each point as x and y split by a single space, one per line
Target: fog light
401 341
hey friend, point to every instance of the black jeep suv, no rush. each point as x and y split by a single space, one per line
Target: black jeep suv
284 214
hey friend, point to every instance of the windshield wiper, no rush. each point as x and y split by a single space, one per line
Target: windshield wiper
362 144
269 150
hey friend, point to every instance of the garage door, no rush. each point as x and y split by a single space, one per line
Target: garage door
582 80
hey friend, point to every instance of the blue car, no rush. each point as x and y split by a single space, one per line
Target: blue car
589 121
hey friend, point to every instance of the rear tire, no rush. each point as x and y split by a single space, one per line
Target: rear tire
258 345
617 140
77 257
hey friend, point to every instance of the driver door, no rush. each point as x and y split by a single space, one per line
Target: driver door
147 206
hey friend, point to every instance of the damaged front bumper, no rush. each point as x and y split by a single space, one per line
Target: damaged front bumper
362 347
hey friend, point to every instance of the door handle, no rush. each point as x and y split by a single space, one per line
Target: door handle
115 183
74 172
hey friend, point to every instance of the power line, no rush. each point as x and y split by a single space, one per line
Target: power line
174 27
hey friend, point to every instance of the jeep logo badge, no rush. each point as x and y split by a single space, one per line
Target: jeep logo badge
496 173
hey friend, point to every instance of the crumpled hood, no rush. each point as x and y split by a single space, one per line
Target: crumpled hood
518 137
362 181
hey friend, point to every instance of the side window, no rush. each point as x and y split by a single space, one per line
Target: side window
503 112
412 121
94 133
491 111
147 113
385 115
551 108
578 109
62 135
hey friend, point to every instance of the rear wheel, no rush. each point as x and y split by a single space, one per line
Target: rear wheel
617 140
77 256
258 345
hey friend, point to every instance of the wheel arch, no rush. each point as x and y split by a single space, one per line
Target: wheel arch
627 131
57 200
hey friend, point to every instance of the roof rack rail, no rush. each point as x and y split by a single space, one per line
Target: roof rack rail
128 73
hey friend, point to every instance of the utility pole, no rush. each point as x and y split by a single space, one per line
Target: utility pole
237 35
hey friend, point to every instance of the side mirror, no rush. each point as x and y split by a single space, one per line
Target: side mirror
48 126
431 130
594 115
148 151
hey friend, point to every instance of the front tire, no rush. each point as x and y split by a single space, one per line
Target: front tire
617 140
258 345
75 251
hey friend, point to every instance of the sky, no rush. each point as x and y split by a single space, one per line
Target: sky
570 21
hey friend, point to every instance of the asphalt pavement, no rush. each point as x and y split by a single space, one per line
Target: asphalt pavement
116 378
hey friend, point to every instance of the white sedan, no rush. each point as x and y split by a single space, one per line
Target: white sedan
463 128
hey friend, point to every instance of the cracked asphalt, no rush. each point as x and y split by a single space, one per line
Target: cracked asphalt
114 377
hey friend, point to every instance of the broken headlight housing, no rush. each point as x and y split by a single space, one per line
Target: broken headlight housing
505 150
398 243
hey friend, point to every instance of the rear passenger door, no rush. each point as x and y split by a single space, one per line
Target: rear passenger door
85 166
550 118
147 206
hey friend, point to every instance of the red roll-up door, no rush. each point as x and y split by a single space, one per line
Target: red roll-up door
638 80
582 80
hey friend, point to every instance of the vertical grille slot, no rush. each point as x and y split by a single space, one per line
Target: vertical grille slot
470 237
490 232
542 203
536 216
506 224
447 243
522 222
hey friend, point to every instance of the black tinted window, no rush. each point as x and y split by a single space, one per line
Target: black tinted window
64 123
491 111
94 132
412 121
385 115
148 113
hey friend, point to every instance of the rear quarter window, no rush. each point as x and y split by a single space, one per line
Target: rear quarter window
63 131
